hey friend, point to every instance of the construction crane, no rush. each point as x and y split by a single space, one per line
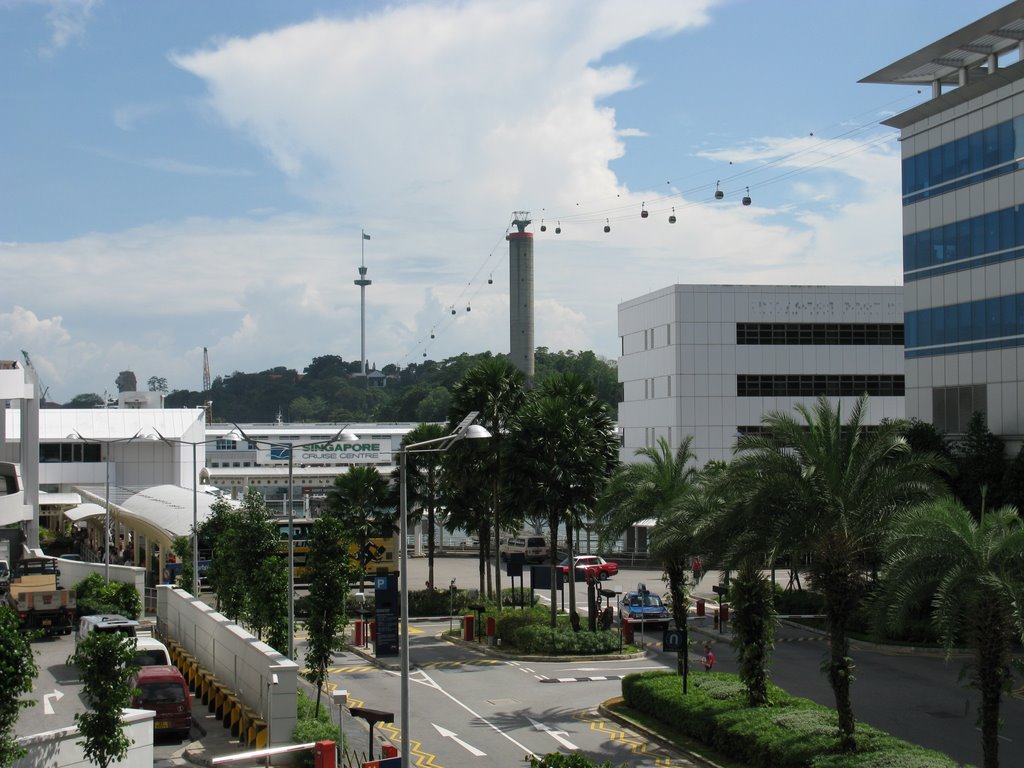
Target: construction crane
208 405
43 391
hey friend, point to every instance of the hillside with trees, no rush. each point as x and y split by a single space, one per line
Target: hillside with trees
330 389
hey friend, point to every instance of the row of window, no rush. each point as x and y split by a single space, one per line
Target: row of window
981 155
812 385
67 453
819 333
994 232
994 318
952 407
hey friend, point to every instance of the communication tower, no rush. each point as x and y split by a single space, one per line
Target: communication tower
520 267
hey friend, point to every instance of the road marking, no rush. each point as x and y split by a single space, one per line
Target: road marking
422 759
451 735
47 705
617 735
460 663
556 735
590 679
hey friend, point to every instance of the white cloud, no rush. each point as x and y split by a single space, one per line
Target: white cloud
68 20
427 125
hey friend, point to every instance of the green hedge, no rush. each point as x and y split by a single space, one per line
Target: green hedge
94 595
790 733
309 728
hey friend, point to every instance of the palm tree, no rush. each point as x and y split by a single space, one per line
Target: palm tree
974 574
831 489
494 387
562 449
423 482
364 502
646 488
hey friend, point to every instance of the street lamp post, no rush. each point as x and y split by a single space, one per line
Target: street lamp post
232 436
344 435
107 443
465 430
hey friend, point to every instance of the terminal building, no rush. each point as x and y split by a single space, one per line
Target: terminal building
963 225
711 360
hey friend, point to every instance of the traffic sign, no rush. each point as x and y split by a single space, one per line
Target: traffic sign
673 640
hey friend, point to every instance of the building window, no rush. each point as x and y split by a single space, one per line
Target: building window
985 324
966 244
813 334
225 445
952 407
812 385
983 155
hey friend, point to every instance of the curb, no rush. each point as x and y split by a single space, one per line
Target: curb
604 709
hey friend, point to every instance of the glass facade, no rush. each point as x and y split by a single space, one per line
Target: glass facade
985 324
965 244
982 155
820 333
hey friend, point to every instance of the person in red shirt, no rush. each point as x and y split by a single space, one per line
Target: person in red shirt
709 657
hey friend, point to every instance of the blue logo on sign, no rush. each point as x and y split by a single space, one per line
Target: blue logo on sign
279 452
380 583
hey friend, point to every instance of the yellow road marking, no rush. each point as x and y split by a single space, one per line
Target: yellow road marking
460 663
422 759
616 734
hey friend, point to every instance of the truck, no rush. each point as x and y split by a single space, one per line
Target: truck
37 597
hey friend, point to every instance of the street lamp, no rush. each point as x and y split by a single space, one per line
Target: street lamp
233 436
345 436
108 442
465 430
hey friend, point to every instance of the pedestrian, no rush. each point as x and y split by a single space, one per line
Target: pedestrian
709 657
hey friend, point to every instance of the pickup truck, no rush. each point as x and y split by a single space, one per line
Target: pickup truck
37 597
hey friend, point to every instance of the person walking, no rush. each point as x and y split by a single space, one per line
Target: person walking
709 657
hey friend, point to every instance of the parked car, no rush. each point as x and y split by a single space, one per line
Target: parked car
641 605
162 689
105 622
591 564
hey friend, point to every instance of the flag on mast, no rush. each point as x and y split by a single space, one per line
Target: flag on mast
365 236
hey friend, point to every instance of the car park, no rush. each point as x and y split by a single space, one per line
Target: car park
591 564
644 607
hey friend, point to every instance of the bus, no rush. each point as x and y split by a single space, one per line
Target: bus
383 549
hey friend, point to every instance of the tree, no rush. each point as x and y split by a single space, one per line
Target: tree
364 502
157 384
973 572
328 572
831 489
423 482
225 578
106 662
494 387
980 464
646 488
85 400
468 499
562 449
751 597
17 669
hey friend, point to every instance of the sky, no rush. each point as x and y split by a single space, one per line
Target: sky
187 174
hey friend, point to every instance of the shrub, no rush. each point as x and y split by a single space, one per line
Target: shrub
94 595
790 733
308 728
572 760
798 601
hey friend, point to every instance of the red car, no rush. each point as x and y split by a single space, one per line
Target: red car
591 564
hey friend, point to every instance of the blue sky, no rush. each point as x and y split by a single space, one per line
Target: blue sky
180 175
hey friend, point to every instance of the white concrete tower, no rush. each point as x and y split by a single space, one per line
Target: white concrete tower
520 267
362 282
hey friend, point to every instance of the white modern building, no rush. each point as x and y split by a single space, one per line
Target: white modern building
712 360
963 224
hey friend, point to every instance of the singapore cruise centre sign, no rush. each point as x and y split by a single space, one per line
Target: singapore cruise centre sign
371 451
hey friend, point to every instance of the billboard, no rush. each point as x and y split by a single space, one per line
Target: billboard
370 451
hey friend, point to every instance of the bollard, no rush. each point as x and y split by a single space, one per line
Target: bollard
627 631
359 631
716 618
467 627
725 614
373 632
325 755
492 626
700 606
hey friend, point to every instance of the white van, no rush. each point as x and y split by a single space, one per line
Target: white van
149 651
105 622
533 548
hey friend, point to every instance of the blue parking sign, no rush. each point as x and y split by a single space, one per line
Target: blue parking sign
380 583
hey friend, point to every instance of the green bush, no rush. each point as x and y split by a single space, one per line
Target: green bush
563 641
95 595
436 602
308 728
798 601
572 760
789 733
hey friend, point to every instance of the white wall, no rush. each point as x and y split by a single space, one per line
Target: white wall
59 749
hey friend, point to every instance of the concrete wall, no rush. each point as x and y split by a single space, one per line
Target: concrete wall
58 749
237 659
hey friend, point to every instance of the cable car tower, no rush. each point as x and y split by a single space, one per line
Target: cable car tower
520 268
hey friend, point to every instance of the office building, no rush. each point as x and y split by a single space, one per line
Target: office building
711 360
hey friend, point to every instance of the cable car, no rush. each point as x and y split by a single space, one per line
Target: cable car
543 226
719 194
746 197
558 229
672 217
643 211
607 226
